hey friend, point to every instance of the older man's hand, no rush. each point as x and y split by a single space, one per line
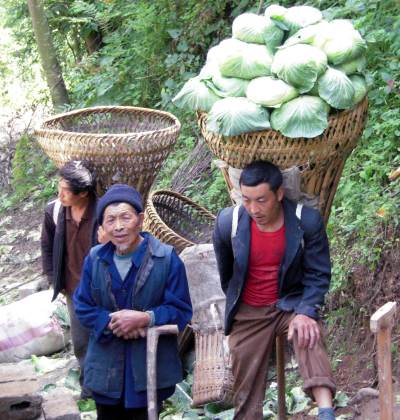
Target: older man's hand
308 333
129 324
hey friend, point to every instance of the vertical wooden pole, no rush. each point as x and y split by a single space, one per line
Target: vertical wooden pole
385 374
381 324
280 373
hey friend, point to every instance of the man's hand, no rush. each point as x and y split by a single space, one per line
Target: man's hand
129 324
308 333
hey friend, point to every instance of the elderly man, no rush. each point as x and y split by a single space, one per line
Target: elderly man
273 259
127 285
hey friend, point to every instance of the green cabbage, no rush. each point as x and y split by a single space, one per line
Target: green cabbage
275 10
252 61
234 116
195 96
295 17
344 45
357 65
305 116
360 88
315 35
227 86
299 65
336 89
252 28
268 91
224 47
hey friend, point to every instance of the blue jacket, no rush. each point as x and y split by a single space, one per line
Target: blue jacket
305 271
94 300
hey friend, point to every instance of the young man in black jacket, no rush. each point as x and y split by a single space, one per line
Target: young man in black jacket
69 231
274 264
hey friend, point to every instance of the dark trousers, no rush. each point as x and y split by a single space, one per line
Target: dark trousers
251 341
119 412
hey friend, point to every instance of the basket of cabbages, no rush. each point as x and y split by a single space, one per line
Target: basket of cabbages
287 87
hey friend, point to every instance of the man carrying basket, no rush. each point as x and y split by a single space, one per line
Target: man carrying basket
274 265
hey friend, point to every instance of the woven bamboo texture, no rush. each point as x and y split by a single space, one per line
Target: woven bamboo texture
322 158
213 379
176 220
120 144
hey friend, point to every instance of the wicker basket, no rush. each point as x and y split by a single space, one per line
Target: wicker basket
120 144
177 220
213 379
322 157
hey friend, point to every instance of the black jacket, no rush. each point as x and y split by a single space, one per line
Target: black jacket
53 246
305 271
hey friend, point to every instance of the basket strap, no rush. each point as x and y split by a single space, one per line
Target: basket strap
299 209
56 210
235 220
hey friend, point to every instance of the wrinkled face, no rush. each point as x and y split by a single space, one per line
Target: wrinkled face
262 204
122 224
66 196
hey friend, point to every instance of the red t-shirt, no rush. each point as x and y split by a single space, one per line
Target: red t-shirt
266 253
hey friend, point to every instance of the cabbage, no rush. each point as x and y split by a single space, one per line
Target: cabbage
336 89
224 47
195 96
275 10
253 28
234 116
227 86
295 17
305 116
315 35
252 61
360 88
299 65
344 44
208 70
268 91
357 65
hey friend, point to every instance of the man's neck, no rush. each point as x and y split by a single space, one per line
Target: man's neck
81 205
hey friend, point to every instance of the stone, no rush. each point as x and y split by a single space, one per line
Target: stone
30 288
60 406
20 400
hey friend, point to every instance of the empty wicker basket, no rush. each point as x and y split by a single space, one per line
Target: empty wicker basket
120 144
177 220
322 157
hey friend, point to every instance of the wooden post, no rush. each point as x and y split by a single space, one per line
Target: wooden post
151 352
381 324
280 373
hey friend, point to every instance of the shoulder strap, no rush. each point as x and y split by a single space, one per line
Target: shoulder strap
299 209
56 210
235 220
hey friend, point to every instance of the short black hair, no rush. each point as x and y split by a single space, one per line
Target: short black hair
261 171
78 177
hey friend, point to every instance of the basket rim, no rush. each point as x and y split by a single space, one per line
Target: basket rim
41 130
180 197
332 117
150 208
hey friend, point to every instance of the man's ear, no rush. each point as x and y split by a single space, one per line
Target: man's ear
280 192
141 219
83 194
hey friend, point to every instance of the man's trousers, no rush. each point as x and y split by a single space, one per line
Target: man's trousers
251 342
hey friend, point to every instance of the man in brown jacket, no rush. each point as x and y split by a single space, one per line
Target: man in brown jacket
69 231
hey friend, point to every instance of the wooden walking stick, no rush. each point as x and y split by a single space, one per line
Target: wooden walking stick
151 352
381 324
280 373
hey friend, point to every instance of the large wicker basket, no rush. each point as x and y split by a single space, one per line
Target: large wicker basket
177 220
120 144
322 158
